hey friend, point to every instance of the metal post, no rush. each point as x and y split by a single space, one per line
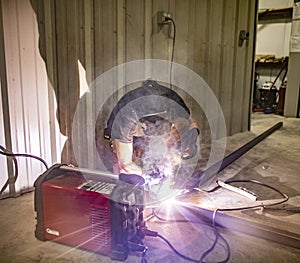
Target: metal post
204 177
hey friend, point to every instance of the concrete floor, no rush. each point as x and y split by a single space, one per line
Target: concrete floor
274 161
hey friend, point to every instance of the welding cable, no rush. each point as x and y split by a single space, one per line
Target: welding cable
11 154
208 251
217 236
262 205
216 232
151 233
16 172
176 251
285 197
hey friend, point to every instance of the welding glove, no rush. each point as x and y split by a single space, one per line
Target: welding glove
129 190
188 131
189 144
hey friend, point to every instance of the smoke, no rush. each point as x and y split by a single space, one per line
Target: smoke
158 153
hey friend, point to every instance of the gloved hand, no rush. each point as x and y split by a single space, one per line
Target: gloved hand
189 144
131 168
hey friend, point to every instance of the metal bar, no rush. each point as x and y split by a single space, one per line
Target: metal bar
248 146
245 226
203 178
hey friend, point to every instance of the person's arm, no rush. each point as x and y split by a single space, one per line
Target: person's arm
124 153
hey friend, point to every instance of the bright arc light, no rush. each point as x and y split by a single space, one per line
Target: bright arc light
170 202
169 206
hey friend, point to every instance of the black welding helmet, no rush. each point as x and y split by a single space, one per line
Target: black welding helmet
155 125
149 99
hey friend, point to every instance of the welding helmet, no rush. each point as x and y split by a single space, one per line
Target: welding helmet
155 125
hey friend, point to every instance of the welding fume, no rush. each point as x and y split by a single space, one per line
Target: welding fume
151 133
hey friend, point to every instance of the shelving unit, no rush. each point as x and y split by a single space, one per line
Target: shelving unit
264 63
285 13
268 60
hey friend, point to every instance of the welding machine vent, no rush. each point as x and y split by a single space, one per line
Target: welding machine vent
100 225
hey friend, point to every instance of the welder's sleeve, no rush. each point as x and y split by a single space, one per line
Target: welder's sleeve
124 153
125 126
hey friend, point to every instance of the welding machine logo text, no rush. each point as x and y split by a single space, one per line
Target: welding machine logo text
52 232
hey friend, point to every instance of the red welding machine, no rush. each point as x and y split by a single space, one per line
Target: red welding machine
89 210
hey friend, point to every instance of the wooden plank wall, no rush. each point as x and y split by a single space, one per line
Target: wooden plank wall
101 34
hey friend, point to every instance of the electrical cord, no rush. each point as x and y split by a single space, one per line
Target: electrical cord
11 154
174 38
217 236
175 250
173 48
262 205
151 233
216 232
16 172
7 153
212 247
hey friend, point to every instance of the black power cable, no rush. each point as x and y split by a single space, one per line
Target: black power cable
174 37
11 154
176 251
173 48
217 236
10 180
216 232
7 153
285 197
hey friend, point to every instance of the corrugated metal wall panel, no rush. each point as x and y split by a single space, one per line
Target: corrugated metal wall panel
100 34
249 65
228 66
13 50
241 86
28 98
3 163
4 117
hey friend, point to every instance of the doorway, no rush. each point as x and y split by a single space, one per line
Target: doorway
272 56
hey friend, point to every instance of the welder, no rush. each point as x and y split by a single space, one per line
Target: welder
151 118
